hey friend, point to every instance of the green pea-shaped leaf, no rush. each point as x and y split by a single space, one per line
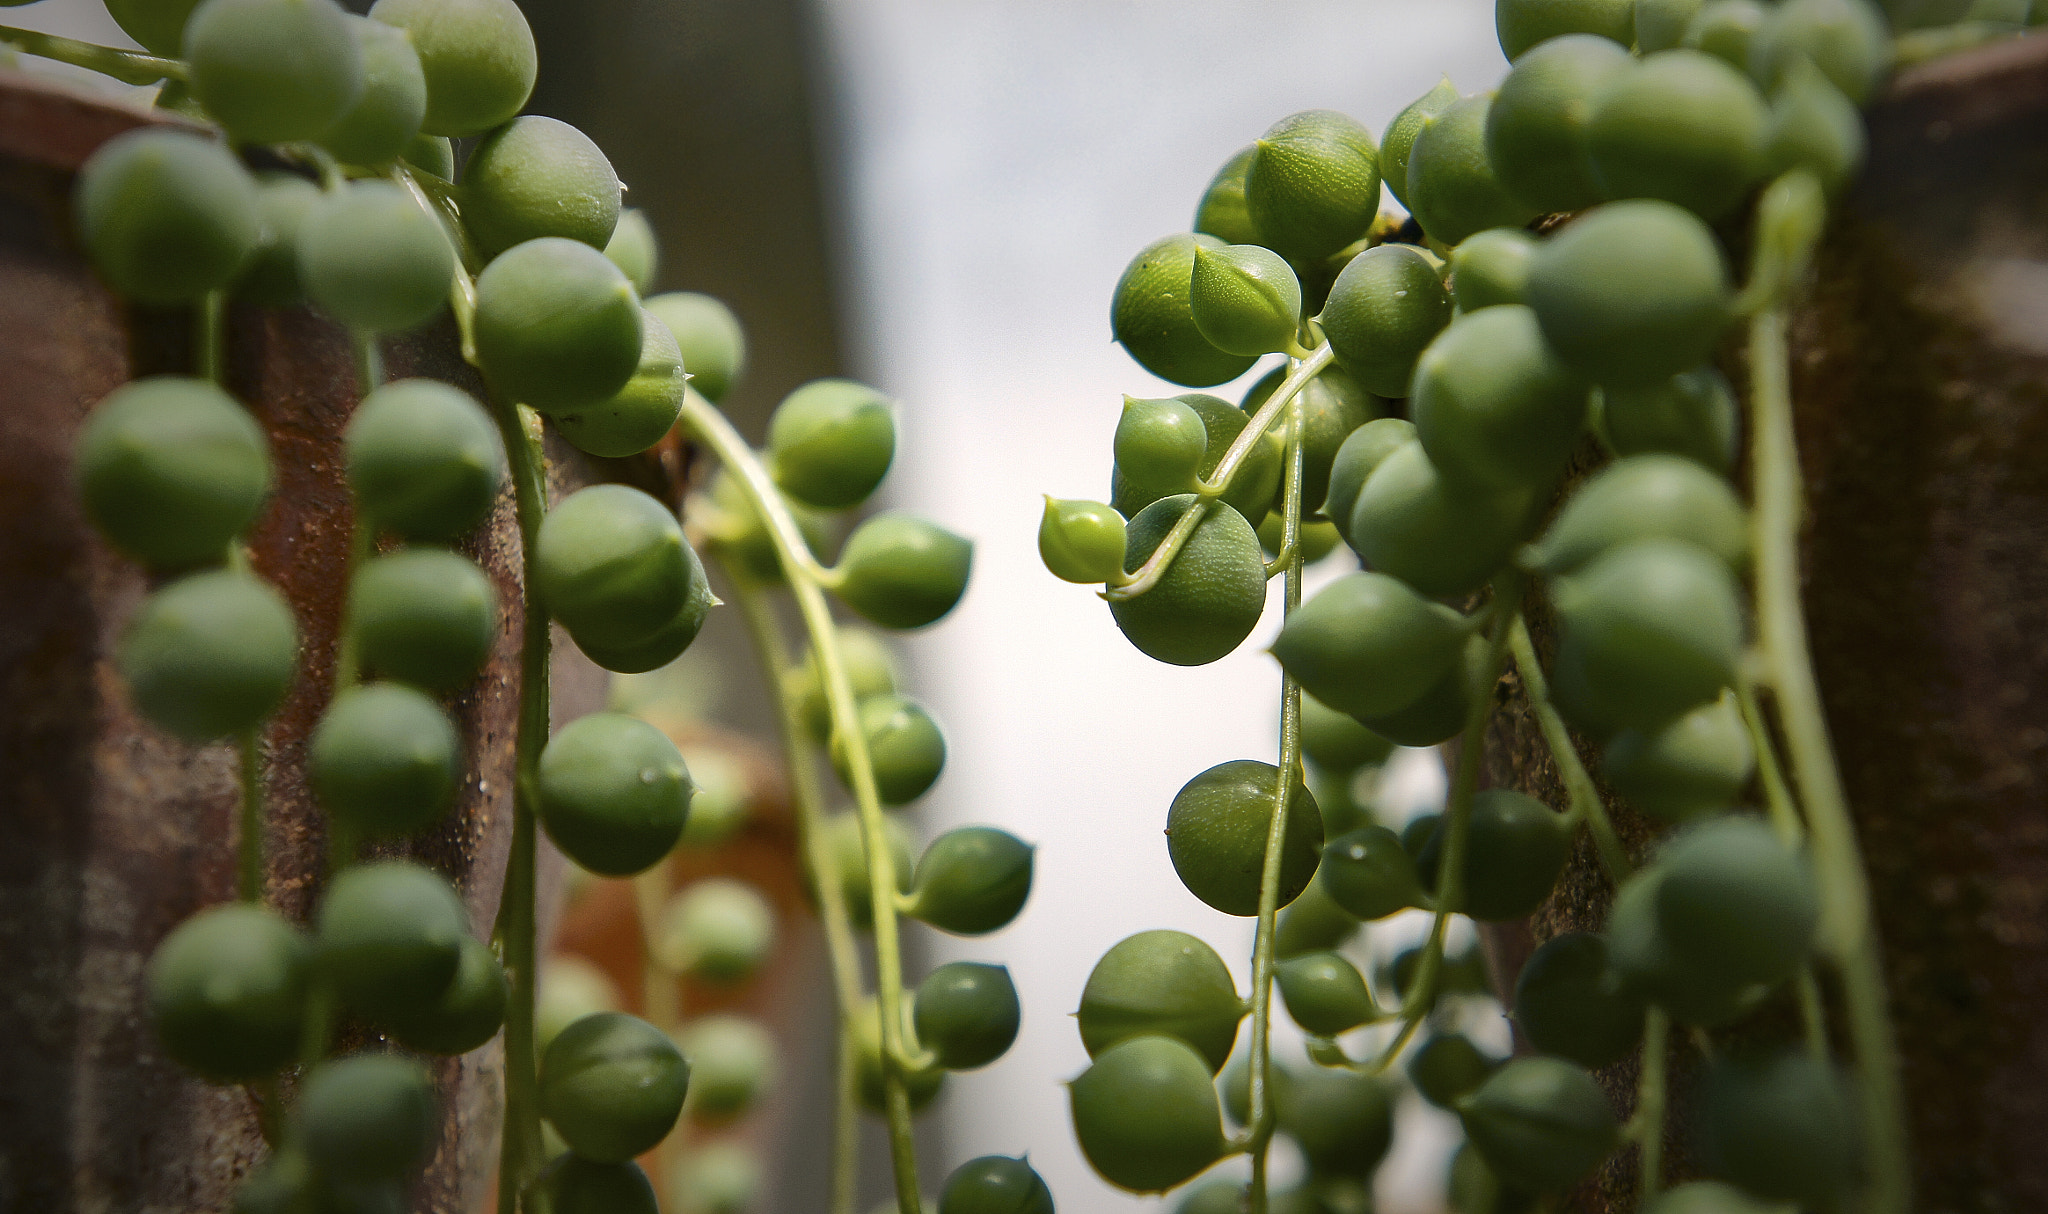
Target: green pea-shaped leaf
1491 268
1692 414
1245 299
1146 1114
1515 849
166 216
1494 405
171 469
1697 764
273 71
270 277
611 565
1252 490
1782 1126
385 117
385 759
557 325
1682 126
1643 497
830 443
843 834
1211 595
423 616
1521 24
1846 39
467 1014
1660 24
732 1063
1452 189
1399 141
1448 1067
575 1185
1161 982
1326 994
423 459
1653 629
1368 645
1640 951
373 260
432 154
1441 536
640 414
612 1085
972 880
967 1014
1440 713
1725 29
904 744
285 1183
1536 127
209 655
1313 184
1541 1123
714 347
1150 316
635 249
1224 212
995 1184
535 177
1081 541
1312 923
1708 1197
613 793
1631 293
1813 127
390 937
367 1116
1159 446
666 643
478 56
719 929
1736 900
159 25
1570 1002
1370 875
227 992
1216 832
1387 304
903 572
1355 460
1336 743
1343 1121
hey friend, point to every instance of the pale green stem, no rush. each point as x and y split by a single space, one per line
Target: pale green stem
1261 1122
1777 797
461 286
709 426
1586 805
1650 1094
1848 928
129 67
369 360
808 798
1457 827
1156 565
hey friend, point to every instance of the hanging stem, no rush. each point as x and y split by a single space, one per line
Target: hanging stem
1847 923
1649 1116
808 799
709 426
1261 1122
209 338
129 67
1147 575
1586 805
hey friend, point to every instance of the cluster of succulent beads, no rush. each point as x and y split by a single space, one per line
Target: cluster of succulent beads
1505 402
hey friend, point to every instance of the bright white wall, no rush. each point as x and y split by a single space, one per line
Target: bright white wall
1005 159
